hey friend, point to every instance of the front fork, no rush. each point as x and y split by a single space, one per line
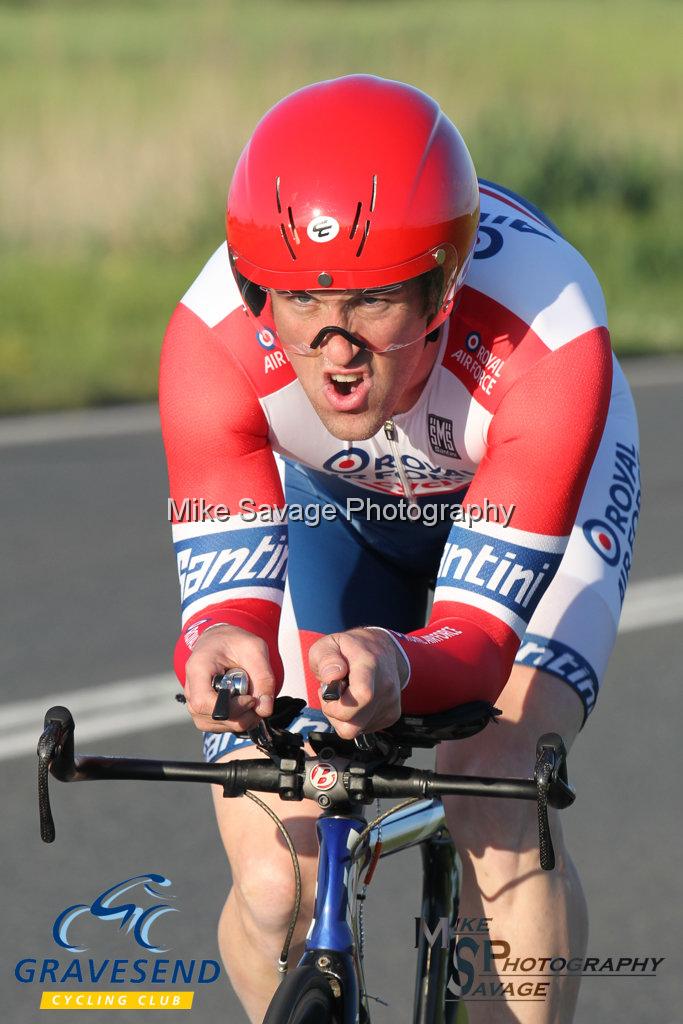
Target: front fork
436 940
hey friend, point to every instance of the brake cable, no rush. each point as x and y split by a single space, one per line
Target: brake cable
282 962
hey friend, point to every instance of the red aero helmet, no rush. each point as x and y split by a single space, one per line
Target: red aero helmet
358 182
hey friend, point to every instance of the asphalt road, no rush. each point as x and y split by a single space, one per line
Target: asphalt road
90 598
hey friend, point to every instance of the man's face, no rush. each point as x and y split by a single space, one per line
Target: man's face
354 391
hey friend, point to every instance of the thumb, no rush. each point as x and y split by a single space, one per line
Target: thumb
326 660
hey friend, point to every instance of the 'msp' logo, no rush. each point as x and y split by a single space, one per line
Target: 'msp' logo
139 920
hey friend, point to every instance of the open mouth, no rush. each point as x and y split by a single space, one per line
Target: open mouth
346 392
346 383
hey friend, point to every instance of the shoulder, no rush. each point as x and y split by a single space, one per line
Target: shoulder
213 295
210 320
523 263
528 293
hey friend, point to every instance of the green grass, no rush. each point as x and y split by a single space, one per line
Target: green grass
122 121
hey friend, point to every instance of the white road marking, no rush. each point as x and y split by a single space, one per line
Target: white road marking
112 710
652 603
653 372
78 425
135 705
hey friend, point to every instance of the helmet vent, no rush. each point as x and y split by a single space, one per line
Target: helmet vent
373 197
366 231
356 219
287 242
277 195
292 225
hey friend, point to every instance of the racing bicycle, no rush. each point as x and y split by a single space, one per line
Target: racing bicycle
344 777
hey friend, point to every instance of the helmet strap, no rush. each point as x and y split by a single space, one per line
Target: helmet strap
253 296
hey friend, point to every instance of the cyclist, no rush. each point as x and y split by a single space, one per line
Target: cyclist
393 374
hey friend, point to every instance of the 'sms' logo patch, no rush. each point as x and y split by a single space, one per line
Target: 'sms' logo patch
441 436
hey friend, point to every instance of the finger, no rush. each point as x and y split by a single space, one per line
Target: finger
201 696
347 730
326 660
357 703
229 708
256 663
199 672
249 653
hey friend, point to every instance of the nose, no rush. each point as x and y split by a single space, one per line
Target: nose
334 330
339 347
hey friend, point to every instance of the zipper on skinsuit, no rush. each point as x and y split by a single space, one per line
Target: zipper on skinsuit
390 433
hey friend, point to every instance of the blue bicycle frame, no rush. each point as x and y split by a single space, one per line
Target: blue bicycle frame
331 945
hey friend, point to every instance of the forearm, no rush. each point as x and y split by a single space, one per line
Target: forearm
260 618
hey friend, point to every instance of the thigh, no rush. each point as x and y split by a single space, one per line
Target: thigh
532 703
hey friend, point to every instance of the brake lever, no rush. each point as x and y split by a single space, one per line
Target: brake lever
56 751
550 775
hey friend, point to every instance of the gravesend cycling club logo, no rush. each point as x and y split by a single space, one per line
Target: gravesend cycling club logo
136 919
131 909
490 240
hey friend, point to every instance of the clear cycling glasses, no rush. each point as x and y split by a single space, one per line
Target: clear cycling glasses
378 319
370 319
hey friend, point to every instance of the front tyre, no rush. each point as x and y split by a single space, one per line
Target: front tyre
304 997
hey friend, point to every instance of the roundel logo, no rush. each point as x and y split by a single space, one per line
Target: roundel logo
266 338
602 538
323 775
322 229
472 341
350 461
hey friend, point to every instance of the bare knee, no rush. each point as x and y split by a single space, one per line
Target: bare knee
264 883
265 888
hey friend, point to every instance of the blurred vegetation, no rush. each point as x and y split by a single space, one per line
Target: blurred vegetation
122 122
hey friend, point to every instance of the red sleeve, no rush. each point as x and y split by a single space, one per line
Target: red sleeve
216 440
541 445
